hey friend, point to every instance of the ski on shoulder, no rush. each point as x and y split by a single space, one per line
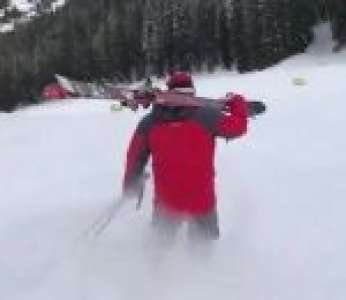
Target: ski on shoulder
144 96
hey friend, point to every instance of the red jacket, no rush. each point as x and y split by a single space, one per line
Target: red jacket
181 142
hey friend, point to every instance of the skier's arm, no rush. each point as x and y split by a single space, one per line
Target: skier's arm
136 159
234 123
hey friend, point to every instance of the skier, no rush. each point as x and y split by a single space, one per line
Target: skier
181 143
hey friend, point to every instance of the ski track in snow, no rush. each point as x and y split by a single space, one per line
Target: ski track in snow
281 198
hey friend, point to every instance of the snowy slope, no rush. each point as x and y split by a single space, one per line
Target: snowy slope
281 198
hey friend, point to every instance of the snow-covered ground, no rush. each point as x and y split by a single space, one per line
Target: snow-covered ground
281 193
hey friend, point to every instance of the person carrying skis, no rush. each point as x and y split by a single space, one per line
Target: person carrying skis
181 143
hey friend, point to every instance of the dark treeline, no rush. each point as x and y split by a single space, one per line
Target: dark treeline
129 39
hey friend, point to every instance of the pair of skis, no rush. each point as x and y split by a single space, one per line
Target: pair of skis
145 96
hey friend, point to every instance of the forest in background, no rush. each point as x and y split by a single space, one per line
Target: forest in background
128 40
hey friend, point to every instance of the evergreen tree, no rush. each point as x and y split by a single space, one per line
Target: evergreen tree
4 4
239 38
302 16
226 46
339 23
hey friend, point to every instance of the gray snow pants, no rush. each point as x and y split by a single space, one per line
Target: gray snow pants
200 228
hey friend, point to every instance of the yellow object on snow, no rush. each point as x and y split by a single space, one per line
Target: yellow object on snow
116 107
299 81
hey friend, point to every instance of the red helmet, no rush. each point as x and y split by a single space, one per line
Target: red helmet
179 80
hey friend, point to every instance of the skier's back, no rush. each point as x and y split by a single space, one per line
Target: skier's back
181 142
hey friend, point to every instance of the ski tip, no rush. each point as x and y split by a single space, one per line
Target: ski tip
257 108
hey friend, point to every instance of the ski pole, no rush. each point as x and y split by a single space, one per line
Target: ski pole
105 218
144 178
